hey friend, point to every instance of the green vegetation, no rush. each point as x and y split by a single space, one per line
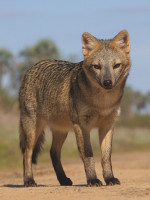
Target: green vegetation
137 120
132 128
8 103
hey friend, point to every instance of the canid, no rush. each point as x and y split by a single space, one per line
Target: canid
75 96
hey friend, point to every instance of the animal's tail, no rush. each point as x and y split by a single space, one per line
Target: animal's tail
38 146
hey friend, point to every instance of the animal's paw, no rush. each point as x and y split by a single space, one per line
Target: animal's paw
112 181
29 182
94 182
65 181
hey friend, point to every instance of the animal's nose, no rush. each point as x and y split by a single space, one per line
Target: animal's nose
107 83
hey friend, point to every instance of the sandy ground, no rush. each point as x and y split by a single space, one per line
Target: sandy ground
133 170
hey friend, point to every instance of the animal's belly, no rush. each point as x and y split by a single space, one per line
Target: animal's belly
62 124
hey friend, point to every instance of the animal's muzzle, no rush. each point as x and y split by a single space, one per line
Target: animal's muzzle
107 84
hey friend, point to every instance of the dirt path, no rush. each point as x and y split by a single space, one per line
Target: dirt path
133 170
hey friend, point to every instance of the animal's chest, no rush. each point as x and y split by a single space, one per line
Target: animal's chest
105 111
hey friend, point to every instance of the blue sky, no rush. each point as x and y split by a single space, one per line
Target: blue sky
23 23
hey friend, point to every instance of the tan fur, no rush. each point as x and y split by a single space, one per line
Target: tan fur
89 49
75 97
121 43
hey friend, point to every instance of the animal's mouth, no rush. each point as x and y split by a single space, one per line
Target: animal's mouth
107 87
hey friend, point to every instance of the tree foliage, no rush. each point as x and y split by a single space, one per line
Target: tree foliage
6 62
44 49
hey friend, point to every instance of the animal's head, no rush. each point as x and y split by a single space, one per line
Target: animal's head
106 62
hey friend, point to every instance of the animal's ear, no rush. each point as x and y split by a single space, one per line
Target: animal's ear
89 44
121 40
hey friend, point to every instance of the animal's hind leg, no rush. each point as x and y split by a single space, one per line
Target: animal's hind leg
55 152
27 143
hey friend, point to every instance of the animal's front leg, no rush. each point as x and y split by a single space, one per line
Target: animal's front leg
85 150
106 148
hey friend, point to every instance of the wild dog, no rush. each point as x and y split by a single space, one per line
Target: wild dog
75 97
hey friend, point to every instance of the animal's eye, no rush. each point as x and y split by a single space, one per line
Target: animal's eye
117 66
97 66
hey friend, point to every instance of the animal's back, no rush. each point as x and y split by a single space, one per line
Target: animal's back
47 72
45 88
